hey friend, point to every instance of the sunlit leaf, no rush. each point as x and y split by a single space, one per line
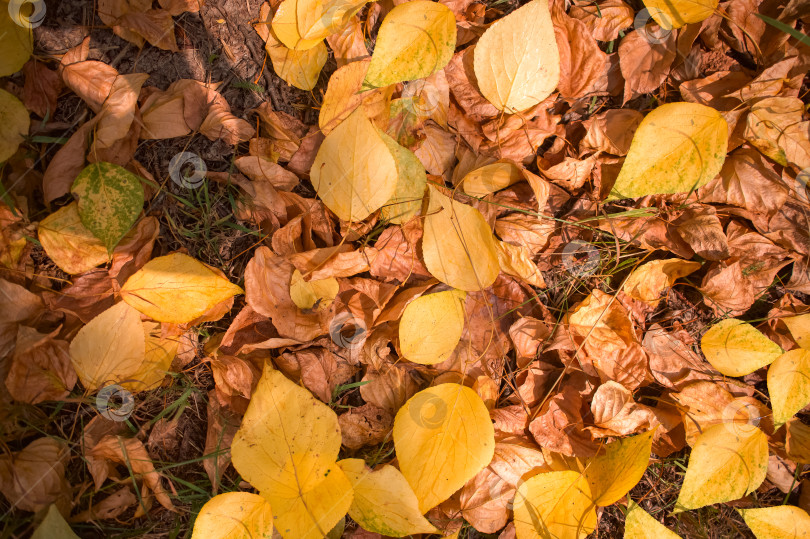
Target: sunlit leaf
516 61
736 348
68 242
15 121
554 505
308 294
789 384
416 39
491 178
406 202
648 280
302 24
298 68
176 288
612 475
384 502
431 327
639 524
671 14
443 437
727 462
234 515
799 327
777 522
678 147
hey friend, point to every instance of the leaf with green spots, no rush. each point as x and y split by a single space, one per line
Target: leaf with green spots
415 40
406 201
110 200
677 148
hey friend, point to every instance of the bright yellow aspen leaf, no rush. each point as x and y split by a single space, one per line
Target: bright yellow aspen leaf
799 327
302 24
778 522
554 505
458 246
736 348
727 462
343 94
431 327
678 147
648 280
110 348
491 178
234 515
384 502
612 475
160 352
416 39
287 448
298 68
639 524
17 42
68 242
406 202
354 173
176 288
15 120
671 14
443 437
308 294
516 61
789 384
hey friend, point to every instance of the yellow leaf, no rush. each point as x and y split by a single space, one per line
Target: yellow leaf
728 462
306 295
68 243
160 352
491 178
554 505
671 14
648 280
431 327
287 448
234 515
406 202
516 61
778 522
799 327
17 41
53 526
458 246
354 173
298 68
343 95
15 119
613 474
678 147
416 39
176 288
110 348
789 384
443 437
384 502
736 348
302 24
639 524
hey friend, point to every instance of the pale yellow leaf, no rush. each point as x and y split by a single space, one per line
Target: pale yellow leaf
516 61
491 178
110 348
406 202
234 515
416 39
639 524
68 242
343 95
678 147
15 120
160 352
443 437
789 384
727 462
778 522
354 173
384 502
287 448
431 327
298 68
554 505
613 474
308 294
799 327
736 348
302 24
53 526
648 280
176 288
458 246
671 14
17 41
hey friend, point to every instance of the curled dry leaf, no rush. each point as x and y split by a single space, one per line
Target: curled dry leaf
40 367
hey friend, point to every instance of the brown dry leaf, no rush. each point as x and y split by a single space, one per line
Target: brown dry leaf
700 227
436 152
516 260
67 162
389 386
397 257
34 478
582 62
726 290
365 425
349 44
163 116
131 453
464 87
528 334
797 441
320 371
40 367
91 80
118 111
559 426
673 362
645 62
110 507
611 131
603 322
41 89
155 25
606 20
222 426
259 169
648 281
617 414
775 127
530 232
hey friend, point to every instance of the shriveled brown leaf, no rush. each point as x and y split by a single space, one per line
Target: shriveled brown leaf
365 425
34 478
40 367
